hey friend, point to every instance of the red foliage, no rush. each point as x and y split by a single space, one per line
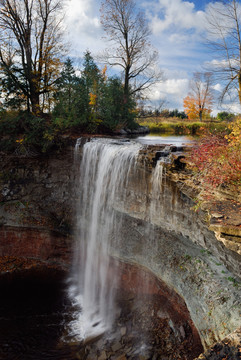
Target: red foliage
217 161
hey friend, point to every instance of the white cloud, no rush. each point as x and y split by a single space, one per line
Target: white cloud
177 29
176 14
83 28
220 20
222 64
233 108
218 87
173 90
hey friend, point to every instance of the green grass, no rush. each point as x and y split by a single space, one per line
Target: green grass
181 127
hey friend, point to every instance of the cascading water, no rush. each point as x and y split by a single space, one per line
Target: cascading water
156 182
104 171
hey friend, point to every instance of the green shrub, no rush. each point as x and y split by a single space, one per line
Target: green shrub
225 116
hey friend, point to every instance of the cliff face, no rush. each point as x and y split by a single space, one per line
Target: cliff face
37 203
161 232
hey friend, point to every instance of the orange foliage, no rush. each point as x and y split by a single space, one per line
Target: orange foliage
190 107
93 99
234 138
193 108
199 101
104 73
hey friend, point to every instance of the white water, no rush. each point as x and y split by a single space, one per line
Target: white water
104 172
157 177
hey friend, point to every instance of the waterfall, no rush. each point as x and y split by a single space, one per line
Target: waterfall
103 179
156 180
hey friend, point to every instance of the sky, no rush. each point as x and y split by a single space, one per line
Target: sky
177 32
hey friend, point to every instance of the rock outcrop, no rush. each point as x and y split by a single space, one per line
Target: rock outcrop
36 206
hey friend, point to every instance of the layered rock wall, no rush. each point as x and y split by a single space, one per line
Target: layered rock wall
37 206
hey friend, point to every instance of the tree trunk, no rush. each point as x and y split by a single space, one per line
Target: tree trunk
34 98
126 85
239 86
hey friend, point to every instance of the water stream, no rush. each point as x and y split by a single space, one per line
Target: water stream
103 179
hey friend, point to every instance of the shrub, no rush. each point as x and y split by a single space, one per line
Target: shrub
225 116
25 131
216 160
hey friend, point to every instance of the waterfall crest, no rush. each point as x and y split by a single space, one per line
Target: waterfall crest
104 171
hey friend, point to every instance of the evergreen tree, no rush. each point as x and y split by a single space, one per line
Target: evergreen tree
115 111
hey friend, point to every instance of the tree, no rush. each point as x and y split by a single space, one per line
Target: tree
30 44
13 98
224 29
128 32
66 85
225 116
66 95
91 101
178 114
199 101
115 112
93 81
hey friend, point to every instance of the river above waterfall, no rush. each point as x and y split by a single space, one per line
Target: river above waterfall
153 139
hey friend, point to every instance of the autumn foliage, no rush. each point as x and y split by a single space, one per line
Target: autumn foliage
198 103
192 108
216 159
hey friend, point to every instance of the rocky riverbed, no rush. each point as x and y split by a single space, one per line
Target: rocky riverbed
142 331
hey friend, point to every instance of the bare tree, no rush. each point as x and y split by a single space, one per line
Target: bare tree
128 31
200 98
223 25
30 55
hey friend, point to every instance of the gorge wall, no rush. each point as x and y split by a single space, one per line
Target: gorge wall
36 212
162 234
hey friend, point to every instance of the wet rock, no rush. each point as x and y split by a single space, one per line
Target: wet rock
217 215
123 331
102 356
122 132
117 346
161 154
121 357
229 348
182 331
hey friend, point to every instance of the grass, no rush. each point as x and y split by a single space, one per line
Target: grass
177 126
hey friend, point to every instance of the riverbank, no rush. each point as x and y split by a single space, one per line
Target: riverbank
181 127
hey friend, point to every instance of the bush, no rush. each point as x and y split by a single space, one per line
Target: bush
26 132
225 116
216 160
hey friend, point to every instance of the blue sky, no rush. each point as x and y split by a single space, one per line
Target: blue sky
177 32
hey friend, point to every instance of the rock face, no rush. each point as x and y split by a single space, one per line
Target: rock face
38 191
36 211
162 233
43 244
165 235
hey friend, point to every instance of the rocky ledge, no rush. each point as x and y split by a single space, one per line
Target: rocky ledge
222 205
229 348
